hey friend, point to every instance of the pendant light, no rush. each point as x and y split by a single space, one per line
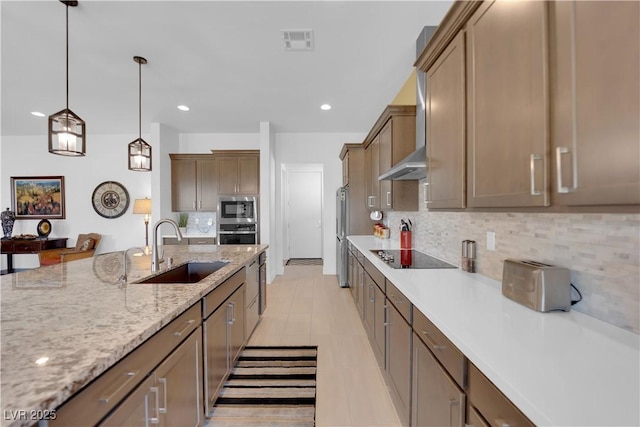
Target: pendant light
139 150
67 133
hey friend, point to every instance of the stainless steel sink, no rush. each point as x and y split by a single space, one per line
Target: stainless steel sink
191 272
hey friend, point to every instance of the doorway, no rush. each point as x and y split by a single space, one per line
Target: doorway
303 211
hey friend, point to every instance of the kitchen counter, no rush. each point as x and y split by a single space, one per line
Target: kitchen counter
79 317
558 368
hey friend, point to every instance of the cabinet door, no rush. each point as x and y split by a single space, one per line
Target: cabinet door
227 175
385 146
216 353
596 105
399 361
446 128
372 171
380 327
345 169
207 185
183 185
237 324
141 408
249 175
179 384
507 105
437 399
369 304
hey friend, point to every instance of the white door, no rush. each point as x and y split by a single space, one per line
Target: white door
304 214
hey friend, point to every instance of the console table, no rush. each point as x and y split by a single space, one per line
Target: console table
12 247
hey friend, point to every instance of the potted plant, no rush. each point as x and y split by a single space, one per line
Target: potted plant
182 222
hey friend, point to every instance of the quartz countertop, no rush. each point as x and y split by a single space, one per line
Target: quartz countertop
80 317
558 368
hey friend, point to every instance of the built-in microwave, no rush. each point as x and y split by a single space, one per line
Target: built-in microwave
234 209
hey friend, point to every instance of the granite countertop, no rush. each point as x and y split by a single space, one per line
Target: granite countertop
79 317
558 368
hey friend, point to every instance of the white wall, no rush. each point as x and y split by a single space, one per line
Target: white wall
106 160
323 148
205 142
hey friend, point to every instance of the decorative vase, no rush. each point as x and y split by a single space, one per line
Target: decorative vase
8 218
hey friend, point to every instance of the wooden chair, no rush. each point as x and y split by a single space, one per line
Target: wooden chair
85 248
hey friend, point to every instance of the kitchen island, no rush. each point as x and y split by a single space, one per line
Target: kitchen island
558 368
64 325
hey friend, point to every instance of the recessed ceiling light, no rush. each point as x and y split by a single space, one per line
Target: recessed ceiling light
38 114
325 107
183 108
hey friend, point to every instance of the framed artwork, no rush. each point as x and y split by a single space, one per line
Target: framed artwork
38 197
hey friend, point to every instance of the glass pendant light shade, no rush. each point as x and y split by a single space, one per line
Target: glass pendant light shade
139 156
139 151
66 134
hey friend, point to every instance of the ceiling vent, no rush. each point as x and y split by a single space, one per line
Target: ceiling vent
297 39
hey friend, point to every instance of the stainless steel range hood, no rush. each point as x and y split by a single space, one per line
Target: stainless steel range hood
414 166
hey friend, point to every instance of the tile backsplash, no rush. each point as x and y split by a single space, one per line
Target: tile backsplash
601 250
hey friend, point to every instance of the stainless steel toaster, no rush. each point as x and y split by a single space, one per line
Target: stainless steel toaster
541 287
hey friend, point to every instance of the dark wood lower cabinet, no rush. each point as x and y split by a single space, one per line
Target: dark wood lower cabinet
437 399
399 361
170 396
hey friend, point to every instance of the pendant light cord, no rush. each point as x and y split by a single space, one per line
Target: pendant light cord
67 56
140 100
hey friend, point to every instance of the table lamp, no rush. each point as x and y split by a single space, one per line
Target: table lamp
143 206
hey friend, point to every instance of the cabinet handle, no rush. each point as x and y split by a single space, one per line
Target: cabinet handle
194 204
452 403
532 167
233 312
370 201
559 152
163 381
388 198
503 423
179 333
431 342
425 196
156 419
130 375
371 294
199 204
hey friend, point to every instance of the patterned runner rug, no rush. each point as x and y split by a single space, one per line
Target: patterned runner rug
304 261
271 387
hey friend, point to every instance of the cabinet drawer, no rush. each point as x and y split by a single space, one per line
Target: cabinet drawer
444 350
399 301
222 292
173 241
491 403
375 274
474 419
202 240
23 247
98 398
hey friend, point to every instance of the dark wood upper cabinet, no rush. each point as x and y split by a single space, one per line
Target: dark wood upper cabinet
446 126
507 101
595 83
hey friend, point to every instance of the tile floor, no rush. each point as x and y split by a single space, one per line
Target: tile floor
305 307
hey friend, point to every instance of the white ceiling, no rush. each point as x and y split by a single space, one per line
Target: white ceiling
224 59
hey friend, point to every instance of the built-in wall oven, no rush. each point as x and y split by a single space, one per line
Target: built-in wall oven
238 220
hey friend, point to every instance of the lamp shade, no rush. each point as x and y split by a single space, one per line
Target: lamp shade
142 206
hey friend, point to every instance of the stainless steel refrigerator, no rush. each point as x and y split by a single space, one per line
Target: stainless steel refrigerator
342 201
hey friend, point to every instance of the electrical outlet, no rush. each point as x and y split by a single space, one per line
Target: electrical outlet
491 240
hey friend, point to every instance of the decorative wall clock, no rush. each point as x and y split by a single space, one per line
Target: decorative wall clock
44 228
110 199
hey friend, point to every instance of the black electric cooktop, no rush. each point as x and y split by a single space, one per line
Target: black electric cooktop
409 258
